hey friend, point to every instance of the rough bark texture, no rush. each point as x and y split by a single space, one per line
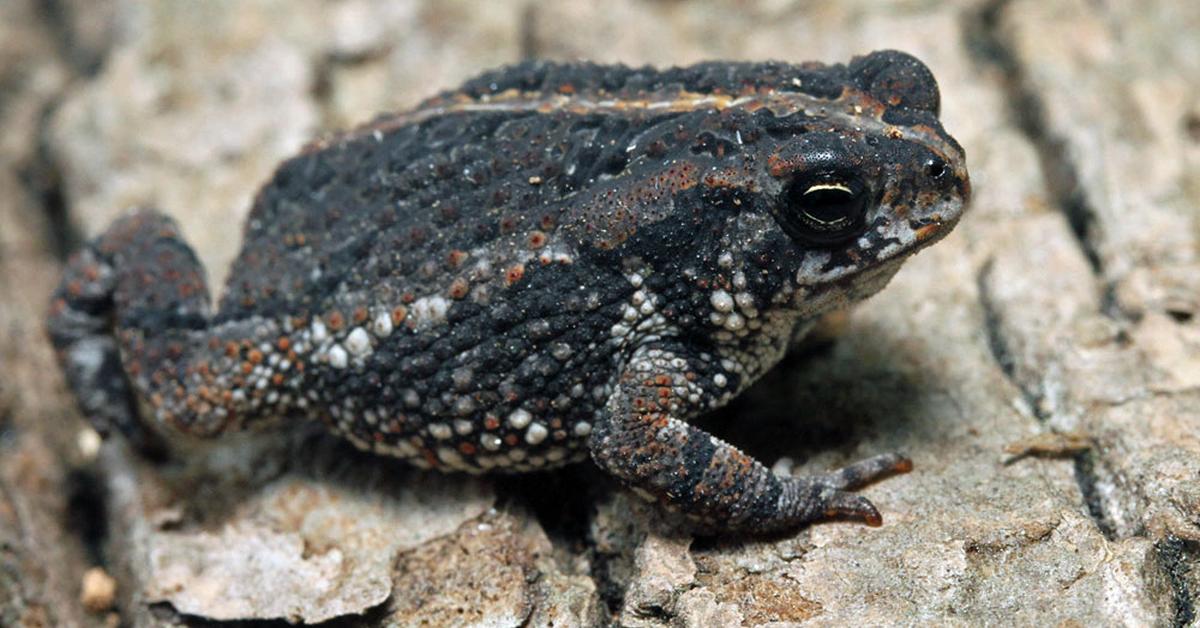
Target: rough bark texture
1041 366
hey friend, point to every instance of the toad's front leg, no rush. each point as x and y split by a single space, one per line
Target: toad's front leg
644 441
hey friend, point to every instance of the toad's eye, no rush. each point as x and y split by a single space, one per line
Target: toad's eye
824 211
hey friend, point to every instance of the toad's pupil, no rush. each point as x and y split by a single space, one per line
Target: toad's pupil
827 209
829 206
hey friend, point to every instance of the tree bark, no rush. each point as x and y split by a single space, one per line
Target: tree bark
1041 365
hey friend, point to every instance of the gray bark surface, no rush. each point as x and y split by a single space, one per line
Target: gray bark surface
1041 365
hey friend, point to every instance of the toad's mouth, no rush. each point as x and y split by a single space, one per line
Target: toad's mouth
926 233
886 267
886 240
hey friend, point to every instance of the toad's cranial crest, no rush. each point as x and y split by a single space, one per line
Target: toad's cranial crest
553 261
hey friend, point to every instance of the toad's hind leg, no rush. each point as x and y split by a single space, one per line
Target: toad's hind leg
129 321
643 441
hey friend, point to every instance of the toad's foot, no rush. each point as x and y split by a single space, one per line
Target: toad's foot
827 495
643 439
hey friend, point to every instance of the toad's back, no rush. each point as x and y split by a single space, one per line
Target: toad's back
553 260
412 202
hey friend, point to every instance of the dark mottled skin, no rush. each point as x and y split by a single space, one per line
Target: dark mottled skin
550 262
